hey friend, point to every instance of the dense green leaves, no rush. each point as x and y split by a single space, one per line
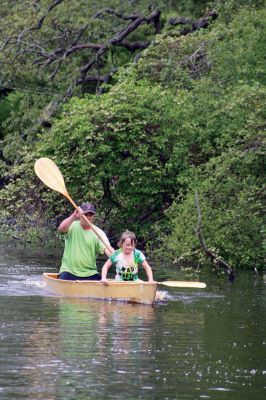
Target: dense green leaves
189 116
122 143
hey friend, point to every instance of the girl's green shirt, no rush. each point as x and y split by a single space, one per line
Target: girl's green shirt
125 272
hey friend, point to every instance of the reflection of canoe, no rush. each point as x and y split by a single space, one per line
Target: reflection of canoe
137 292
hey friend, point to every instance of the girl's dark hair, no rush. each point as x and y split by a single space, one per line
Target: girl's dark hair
125 235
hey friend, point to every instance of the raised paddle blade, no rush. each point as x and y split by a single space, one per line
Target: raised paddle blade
50 175
183 284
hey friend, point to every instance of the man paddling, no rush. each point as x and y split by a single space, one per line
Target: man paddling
82 245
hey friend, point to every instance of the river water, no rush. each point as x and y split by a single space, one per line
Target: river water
196 344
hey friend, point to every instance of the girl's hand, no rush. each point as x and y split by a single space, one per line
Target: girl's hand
104 282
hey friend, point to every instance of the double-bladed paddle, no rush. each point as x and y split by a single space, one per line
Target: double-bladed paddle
49 173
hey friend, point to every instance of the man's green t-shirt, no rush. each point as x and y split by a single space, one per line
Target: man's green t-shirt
81 249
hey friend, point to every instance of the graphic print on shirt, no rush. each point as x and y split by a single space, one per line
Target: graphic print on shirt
126 272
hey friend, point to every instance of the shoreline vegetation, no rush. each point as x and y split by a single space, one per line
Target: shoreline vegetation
140 110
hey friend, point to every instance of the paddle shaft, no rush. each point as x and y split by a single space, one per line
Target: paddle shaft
89 223
183 284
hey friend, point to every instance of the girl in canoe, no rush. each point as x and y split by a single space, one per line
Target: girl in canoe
126 260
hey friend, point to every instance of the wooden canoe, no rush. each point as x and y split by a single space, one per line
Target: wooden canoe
136 292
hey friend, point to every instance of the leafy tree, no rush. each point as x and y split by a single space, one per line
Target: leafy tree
230 183
120 145
188 116
53 49
61 44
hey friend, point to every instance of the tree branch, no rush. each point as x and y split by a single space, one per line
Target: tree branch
132 46
116 13
52 57
41 20
116 40
203 22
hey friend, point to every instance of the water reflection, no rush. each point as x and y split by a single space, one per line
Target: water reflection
83 345
106 327
198 344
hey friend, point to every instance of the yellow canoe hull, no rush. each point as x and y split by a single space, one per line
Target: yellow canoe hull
136 292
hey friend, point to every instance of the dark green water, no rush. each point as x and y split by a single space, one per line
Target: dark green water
197 344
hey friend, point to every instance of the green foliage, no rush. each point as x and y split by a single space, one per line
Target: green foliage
188 8
233 57
26 37
120 144
18 129
231 205
34 67
230 186
188 117
5 110
223 54
228 9
26 205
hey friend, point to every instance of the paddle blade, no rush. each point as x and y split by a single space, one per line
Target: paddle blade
50 174
183 284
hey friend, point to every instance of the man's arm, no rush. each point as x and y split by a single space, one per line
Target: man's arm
65 225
